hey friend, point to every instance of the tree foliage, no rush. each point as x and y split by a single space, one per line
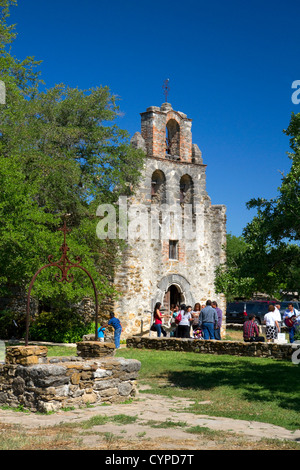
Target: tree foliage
229 278
60 153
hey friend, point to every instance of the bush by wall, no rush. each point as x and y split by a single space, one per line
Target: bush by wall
64 326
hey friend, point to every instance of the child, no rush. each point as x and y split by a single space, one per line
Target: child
197 333
101 333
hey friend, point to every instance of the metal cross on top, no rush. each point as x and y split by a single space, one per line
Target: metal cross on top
166 89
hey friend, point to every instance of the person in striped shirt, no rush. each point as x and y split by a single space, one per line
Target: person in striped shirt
250 330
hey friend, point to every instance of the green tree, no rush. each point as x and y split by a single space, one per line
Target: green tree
60 153
229 278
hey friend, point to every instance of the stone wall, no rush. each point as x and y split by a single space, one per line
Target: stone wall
233 348
30 379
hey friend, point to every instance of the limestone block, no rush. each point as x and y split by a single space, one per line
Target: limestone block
89 398
75 378
125 388
104 384
130 365
109 392
100 373
45 375
48 407
25 355
89 349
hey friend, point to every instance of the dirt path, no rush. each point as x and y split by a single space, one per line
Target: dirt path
154 428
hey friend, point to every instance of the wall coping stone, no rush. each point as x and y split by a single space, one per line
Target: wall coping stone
236 348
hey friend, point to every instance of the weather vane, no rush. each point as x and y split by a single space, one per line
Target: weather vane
166 89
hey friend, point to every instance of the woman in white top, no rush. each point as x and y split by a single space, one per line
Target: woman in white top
184 325
272 326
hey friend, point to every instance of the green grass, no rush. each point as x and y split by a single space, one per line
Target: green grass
61 350
253 389
166 424
98 420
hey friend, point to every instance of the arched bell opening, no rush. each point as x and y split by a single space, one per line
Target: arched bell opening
172 138
158 187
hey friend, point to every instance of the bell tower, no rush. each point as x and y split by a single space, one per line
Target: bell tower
172 265
167 133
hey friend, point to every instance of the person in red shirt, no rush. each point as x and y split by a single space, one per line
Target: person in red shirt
158 320
250 330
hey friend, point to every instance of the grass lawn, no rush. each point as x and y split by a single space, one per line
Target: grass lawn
57 350
253 389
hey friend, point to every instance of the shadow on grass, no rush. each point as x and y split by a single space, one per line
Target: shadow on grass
259 381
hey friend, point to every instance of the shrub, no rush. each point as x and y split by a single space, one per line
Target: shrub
62 326
12 324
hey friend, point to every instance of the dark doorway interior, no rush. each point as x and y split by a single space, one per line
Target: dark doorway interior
172 297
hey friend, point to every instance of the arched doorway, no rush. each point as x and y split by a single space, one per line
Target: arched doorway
180 283
172 297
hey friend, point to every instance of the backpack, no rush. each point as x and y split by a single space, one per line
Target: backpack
178 318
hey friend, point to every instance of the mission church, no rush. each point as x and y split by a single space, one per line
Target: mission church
173 261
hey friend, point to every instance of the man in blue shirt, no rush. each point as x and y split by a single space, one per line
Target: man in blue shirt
208 319
292 314
115 323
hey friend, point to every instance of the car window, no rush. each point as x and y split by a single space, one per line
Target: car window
263 308
235 307
251 308
257 307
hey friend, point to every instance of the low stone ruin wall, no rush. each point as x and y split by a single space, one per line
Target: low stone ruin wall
235 348
38 383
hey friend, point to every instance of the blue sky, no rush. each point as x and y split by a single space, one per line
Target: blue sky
231 66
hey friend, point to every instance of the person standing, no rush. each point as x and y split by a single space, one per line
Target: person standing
158 320
174 326
116 324
289 318
272 326
278 316
195 315
208 319
217 331
184 326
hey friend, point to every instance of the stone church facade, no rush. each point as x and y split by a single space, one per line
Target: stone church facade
176 236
